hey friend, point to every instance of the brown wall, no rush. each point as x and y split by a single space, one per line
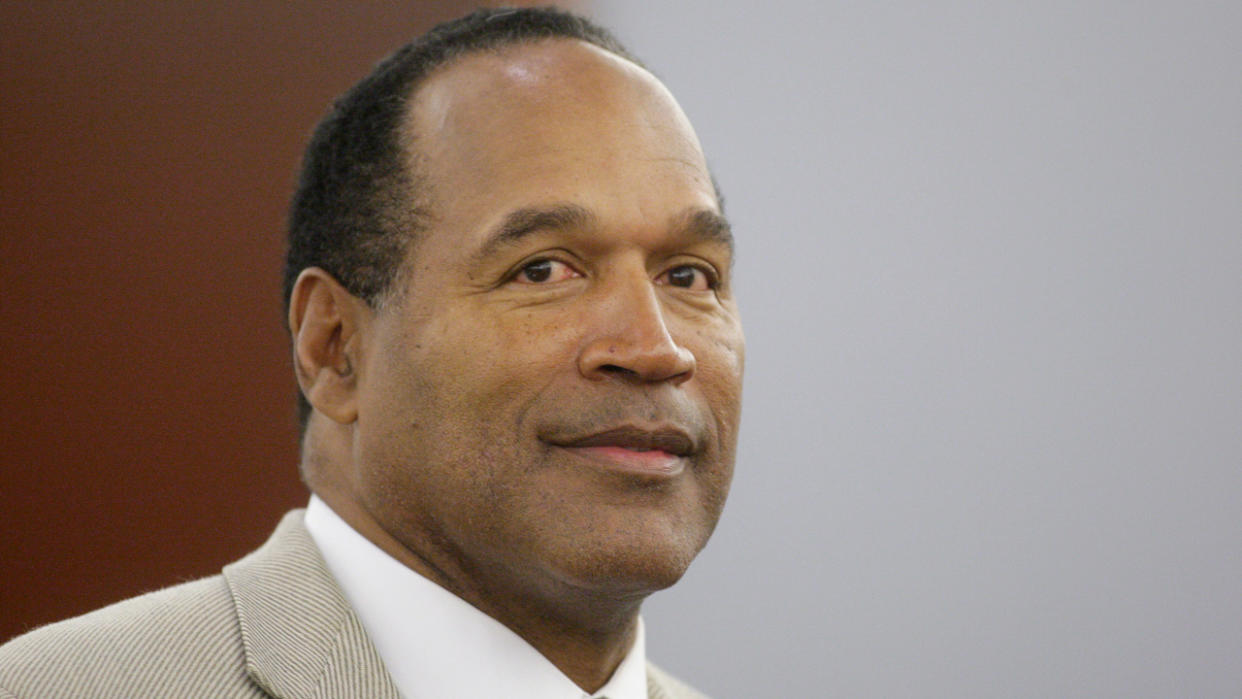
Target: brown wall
147 151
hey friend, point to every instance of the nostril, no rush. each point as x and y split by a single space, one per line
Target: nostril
614 369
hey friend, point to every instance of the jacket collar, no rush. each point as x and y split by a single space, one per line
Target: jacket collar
302 640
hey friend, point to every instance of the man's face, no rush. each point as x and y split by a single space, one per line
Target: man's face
552 398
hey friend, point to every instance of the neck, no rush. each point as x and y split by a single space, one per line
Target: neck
585 634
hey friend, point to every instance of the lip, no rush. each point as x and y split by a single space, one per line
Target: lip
668 439
655 452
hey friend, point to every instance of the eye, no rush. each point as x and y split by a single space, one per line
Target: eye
544 271
689 277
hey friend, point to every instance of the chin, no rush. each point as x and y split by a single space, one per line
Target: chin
628 549
629 566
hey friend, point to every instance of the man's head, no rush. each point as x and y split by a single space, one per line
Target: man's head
360 200
541 409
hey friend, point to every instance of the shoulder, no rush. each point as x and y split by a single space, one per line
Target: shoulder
661 685
173 641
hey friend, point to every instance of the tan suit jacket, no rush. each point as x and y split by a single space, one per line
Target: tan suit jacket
274 624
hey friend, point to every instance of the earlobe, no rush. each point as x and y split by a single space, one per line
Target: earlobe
324 322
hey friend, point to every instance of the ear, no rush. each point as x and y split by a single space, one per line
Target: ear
325 321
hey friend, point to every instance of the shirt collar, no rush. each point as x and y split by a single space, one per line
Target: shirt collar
435 644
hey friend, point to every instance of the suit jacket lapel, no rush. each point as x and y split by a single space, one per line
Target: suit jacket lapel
661 685
303 641
301 638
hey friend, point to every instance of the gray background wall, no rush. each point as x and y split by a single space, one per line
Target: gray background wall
991 274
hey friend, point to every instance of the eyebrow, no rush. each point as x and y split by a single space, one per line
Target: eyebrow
700 224
703 224
524 222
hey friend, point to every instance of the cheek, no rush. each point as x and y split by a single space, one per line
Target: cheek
531 344
537 332
720 358
719 363
479 376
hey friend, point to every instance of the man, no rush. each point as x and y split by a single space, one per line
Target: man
508 291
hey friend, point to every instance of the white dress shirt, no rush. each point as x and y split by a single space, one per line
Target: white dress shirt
436 645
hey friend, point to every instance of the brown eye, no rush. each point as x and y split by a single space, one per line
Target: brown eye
688 277
537 271
544 271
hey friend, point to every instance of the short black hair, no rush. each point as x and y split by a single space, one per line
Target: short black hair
358 203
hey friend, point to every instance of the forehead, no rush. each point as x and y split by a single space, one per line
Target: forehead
554 120
537 88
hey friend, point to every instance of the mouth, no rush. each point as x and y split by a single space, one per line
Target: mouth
656 452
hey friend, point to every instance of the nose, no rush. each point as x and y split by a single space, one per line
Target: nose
631 339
